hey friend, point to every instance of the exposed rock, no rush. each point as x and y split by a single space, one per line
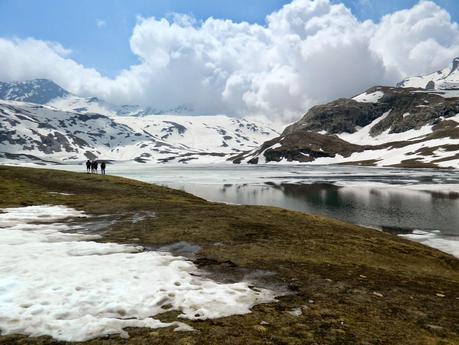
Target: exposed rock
321 131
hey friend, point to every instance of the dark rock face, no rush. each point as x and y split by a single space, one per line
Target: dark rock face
345 115
430 85
302 146
397 111
174 125
339 116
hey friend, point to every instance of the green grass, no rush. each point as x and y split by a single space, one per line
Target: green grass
336 265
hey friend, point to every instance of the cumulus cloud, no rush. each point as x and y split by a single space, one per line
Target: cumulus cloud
418 40
22 59
308 52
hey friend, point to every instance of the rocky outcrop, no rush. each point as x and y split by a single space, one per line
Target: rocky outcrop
299 146
348 115
367 128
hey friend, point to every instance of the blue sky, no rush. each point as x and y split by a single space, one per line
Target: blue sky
98 32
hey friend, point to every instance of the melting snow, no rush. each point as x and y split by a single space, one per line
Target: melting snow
55 281
373 97
391 156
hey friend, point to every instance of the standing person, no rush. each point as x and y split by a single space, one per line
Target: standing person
88 166
102 168
96 163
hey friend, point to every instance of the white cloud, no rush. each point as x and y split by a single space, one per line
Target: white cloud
308 52
30 58
100 23
418 40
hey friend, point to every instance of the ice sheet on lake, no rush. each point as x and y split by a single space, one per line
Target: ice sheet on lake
431 239
55 281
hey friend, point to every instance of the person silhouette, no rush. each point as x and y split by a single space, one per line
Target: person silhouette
95 166
88 166
102 168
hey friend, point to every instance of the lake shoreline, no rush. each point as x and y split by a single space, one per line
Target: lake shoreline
398 201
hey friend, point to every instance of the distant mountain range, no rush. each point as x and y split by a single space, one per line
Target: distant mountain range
42 123
40 91
415 124
46 92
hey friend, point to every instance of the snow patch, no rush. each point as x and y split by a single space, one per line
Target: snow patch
362 136
373 97
393 155
55 281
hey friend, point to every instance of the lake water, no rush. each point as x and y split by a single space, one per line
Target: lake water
420 204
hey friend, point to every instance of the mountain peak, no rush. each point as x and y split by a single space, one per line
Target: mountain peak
455 64
39 91
445 79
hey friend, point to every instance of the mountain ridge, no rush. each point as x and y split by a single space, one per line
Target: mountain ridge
45 132
38 91
400 126
47 92
445 79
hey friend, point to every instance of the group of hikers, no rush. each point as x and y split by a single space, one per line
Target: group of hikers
92 167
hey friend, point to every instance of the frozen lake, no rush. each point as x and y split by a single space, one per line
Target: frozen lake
421 204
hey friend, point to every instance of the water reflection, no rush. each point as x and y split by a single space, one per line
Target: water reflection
396 200
392 209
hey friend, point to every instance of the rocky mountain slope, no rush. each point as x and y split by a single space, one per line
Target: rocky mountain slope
384 126
42 133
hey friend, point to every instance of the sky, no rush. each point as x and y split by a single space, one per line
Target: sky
273 58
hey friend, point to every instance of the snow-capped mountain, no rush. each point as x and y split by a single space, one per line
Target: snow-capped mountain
446 79
41 122
85 105
43 134
40 91
46 92
384 126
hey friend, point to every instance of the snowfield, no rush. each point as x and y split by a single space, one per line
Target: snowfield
445 79
55 280
29 131
393 155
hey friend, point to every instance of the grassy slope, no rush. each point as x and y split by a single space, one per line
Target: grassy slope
336 265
